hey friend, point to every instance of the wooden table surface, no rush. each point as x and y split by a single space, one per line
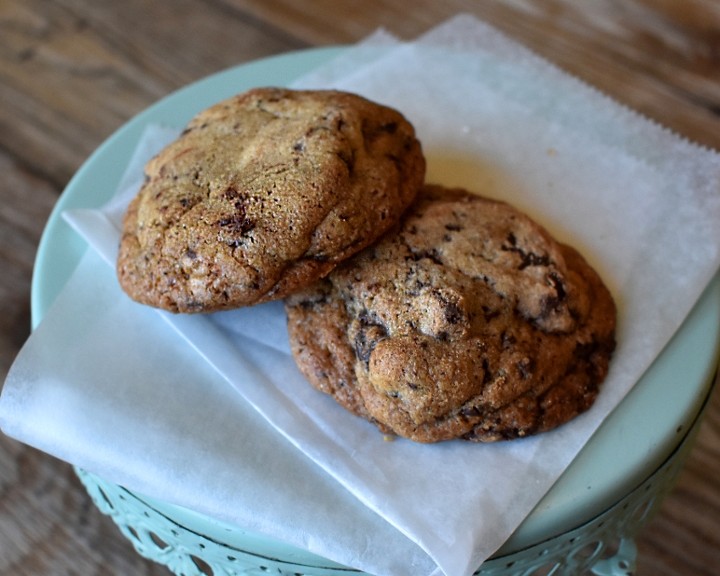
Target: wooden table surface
72 71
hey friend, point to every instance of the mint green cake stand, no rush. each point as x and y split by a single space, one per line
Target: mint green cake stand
585 524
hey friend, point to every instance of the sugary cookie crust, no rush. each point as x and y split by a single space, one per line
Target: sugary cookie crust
469 321
263 194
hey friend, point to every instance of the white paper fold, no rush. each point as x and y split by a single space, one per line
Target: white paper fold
119 393
640 203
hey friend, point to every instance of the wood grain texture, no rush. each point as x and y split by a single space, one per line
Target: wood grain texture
75 71
636 52
72 71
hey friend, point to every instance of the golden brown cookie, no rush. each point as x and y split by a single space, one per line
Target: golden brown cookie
468 321
263 194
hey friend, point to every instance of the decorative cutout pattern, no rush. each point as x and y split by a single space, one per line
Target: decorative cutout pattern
603 547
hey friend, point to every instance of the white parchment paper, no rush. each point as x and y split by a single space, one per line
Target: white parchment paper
218 418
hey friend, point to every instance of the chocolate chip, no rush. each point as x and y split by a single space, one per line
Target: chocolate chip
231 193
470 411
487 375
531 259
584 351
525 368
237 224
367 338
453 312
431 255
556 282
316 300
550 303
526 258
508 340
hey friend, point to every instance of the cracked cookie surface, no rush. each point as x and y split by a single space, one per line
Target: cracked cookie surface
467 321
263 194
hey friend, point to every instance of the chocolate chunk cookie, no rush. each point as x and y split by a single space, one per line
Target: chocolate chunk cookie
263 194
467 321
